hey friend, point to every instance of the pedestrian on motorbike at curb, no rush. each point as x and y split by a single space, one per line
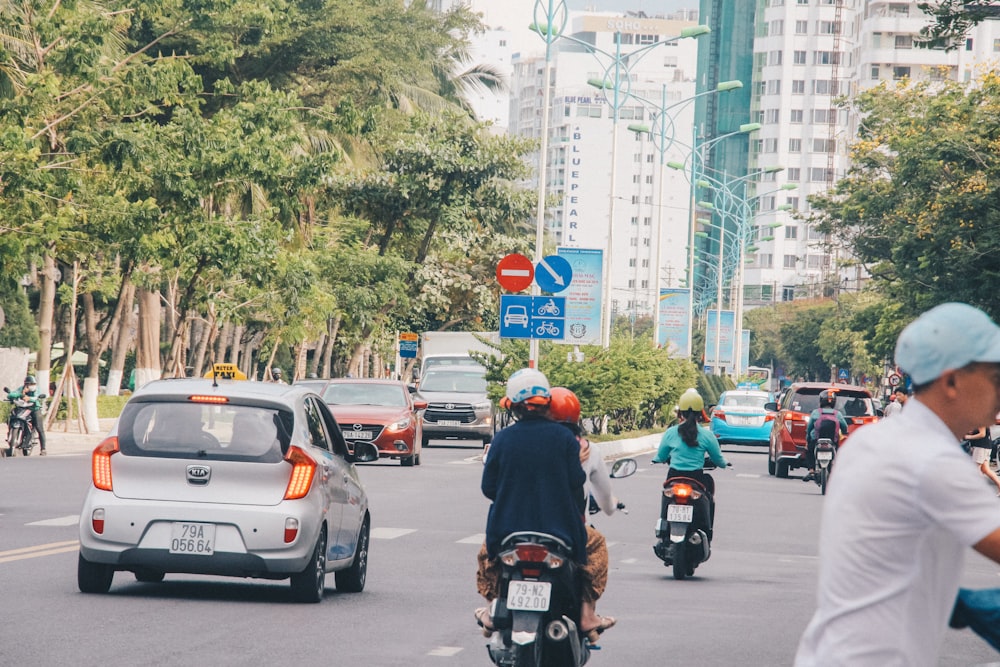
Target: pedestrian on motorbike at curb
29 392
815 427
565 409
534 479
980 446
908 503
686 445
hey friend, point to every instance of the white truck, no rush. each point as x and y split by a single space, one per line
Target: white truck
454 386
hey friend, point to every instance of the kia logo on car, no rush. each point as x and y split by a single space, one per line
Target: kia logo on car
198 474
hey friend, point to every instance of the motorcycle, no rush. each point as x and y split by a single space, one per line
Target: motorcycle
684 530
536 616
825 453
20 431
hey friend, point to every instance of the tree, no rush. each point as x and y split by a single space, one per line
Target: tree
953 19
918 207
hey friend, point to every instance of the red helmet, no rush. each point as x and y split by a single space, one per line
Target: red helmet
564 406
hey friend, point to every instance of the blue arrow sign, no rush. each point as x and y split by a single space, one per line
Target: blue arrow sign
553 274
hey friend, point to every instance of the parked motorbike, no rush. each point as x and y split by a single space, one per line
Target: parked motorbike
537 614
684 530
20 431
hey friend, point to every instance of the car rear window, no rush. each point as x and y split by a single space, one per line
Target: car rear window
183 429
361 393
744 400
851 403
471 382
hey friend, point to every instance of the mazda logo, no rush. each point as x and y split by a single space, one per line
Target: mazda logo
358 427
198 474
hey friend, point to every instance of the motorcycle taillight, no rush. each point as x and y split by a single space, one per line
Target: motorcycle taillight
682 493
534 553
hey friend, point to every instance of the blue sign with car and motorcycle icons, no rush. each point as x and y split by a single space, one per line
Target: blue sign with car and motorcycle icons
541 317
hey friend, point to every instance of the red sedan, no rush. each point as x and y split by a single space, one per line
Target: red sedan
381 412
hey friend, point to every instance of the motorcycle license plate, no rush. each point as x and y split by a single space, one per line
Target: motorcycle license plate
529 595
192 538
682 513
824 455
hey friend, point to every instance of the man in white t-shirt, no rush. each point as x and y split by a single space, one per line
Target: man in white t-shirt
906 502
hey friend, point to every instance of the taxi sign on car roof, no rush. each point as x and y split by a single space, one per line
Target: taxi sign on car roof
225 372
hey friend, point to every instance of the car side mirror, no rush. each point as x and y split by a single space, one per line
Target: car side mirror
773 407
880 412
419 405
623 468
364 452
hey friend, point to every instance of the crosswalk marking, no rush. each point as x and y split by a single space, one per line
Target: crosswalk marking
478 538
68 520
390 533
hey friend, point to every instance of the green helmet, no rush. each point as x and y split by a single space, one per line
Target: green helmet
691 400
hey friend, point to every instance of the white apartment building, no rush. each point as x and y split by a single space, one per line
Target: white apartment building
807 53
590 181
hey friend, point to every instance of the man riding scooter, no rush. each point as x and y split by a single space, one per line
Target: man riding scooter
29 392
824 422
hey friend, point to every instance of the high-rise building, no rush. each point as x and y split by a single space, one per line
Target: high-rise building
603 176
807 54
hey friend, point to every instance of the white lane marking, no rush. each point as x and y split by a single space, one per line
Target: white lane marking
68 520
746 474
390 533
610 544
478 538
629 561
468 461
445 651
38 550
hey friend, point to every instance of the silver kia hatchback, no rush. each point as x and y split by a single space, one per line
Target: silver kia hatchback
227 477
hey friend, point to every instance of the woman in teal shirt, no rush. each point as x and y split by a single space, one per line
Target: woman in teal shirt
685 446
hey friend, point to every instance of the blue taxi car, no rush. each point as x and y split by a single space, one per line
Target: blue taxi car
739 418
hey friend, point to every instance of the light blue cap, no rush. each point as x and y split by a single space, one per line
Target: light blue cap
946 337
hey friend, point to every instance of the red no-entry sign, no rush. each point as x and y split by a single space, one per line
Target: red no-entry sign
515 272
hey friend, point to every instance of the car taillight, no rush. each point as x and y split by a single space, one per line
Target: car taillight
769 417
291 530
303 471
97 521
718 414
101 463
682 493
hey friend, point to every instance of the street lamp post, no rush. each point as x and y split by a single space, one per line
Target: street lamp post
620 71
696 154
663 144
741 209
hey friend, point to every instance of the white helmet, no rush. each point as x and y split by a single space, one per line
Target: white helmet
528 385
